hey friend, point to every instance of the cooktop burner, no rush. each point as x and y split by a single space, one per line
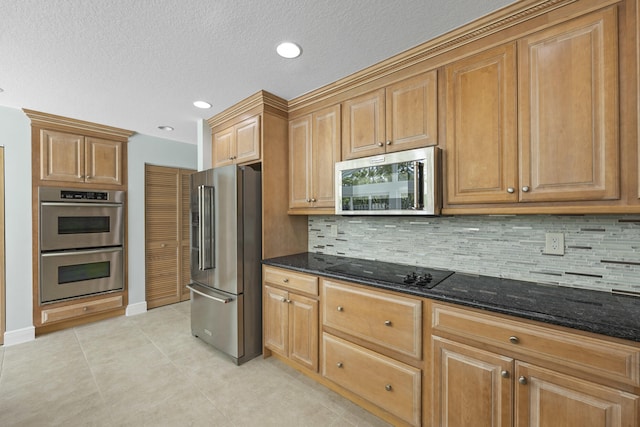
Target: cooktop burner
397 274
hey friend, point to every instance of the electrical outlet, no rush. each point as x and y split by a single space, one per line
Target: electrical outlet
334 230
554 244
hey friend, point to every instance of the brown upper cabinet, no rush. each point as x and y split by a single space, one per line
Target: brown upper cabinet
237 144
398 117
69 157
564 87
314 147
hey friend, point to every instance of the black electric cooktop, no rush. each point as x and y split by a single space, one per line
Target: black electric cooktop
397 274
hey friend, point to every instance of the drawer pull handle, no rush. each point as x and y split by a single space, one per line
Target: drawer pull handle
387 323
340 308
388 387
504 374
514 340
522 380
339 365
285 280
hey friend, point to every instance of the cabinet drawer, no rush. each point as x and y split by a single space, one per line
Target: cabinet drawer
394 322
615 361
81 309
390 384
291 280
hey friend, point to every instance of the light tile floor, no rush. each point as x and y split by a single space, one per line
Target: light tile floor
148 370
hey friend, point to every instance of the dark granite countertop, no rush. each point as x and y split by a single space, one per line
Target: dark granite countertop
593 311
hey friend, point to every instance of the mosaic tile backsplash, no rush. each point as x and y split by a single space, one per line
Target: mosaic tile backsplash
601 252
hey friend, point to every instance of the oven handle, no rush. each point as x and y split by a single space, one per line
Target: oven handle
87 252
207 295
82 205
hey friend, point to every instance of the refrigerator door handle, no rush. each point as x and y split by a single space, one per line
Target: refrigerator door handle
209 293
206 241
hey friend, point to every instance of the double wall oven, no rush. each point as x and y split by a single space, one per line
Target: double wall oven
81 242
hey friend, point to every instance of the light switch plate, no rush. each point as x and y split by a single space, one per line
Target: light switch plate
554 244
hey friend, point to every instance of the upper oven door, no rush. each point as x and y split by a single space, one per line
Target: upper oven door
76 225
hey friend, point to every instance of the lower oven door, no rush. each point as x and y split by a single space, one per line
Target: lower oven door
71 274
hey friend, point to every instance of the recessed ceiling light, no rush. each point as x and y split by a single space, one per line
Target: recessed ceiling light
167 128
288 50
202 104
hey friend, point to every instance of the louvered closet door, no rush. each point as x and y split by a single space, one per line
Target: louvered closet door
185 249
164 234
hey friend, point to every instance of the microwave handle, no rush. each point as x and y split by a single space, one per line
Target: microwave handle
418 167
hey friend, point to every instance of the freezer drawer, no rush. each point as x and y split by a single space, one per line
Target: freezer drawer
217 319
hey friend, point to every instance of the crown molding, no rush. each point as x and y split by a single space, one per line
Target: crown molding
482 27
45 120
262 100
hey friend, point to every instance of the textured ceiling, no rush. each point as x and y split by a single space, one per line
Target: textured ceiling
138 64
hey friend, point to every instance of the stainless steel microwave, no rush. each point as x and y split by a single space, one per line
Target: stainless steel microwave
402 183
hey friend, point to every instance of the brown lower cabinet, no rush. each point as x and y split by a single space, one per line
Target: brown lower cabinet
481 380
417 362
167 249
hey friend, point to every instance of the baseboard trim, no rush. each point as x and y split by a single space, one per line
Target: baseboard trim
137 308
19 336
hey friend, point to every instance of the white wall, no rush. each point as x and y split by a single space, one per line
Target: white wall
15 136
143 150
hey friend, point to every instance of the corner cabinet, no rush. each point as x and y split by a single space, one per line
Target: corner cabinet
237 144
290 316
563 143
398 117
489 370
314 148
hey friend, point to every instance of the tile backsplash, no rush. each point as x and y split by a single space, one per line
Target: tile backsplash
602 252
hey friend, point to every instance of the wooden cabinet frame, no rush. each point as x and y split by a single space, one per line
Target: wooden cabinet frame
100 142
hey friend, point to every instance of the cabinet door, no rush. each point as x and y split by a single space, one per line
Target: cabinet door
276 317
548 398
303 331
472 387
299 162
481 145
568 110
412 112
103 161
61 156
247 140
363 126
222 149
325 153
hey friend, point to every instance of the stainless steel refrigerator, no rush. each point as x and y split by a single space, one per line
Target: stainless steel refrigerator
226 250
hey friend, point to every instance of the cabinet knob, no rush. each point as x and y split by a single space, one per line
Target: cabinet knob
340 308
85 308
308 200
525 189
313 200
388 142
283 299
288 301
504 374
339 365
388 387
514 340
387 323
380 144
522 380
285 280
510 190
231 158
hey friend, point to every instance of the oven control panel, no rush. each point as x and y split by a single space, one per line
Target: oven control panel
84 195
